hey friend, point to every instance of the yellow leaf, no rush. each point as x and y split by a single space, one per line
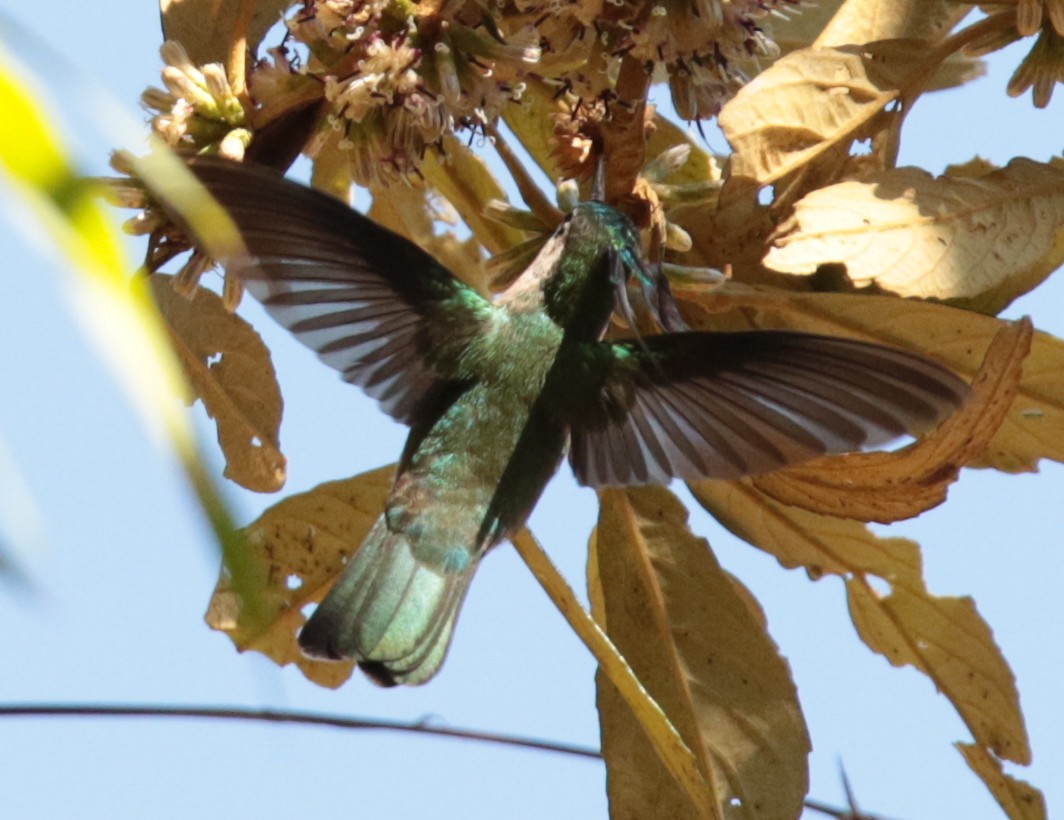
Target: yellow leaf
465 180
205 27
808 102
855 24
666 741
1020 800
295 551
820 544
890 486
947 640
864 21
980 242
1034 426
703 654
229 369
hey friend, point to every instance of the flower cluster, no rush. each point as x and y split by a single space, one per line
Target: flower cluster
198 109
701 47
399 77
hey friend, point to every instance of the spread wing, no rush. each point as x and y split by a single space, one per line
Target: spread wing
372 304
725 405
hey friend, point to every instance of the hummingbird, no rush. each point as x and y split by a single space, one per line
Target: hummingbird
497 391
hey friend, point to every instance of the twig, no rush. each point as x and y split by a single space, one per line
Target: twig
284 716
315 719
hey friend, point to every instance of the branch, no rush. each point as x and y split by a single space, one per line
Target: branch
284 716
314 719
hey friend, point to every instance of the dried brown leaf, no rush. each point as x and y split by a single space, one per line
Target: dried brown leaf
702 652
229 369
296 550
947 640
1018 799
205 27
977 241
1034 426
890 486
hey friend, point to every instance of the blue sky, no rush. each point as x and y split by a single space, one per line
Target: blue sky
125 568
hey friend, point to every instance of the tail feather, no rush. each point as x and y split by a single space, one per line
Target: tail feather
391 613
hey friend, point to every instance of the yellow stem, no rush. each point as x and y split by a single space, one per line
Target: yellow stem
666 741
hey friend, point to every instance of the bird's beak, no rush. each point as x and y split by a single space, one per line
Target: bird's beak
657 297
619 279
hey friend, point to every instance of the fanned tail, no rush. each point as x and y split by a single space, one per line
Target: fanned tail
390 612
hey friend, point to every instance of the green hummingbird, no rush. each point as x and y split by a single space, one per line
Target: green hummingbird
495 392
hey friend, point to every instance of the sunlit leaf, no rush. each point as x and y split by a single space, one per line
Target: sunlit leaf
332 170
979 241
807 103
865 21
703 654
296 551
947 640
890 486
1019 800
1032 430
205 27
820 544
229 369
857 24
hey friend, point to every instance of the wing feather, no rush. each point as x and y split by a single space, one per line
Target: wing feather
726 405
369 302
